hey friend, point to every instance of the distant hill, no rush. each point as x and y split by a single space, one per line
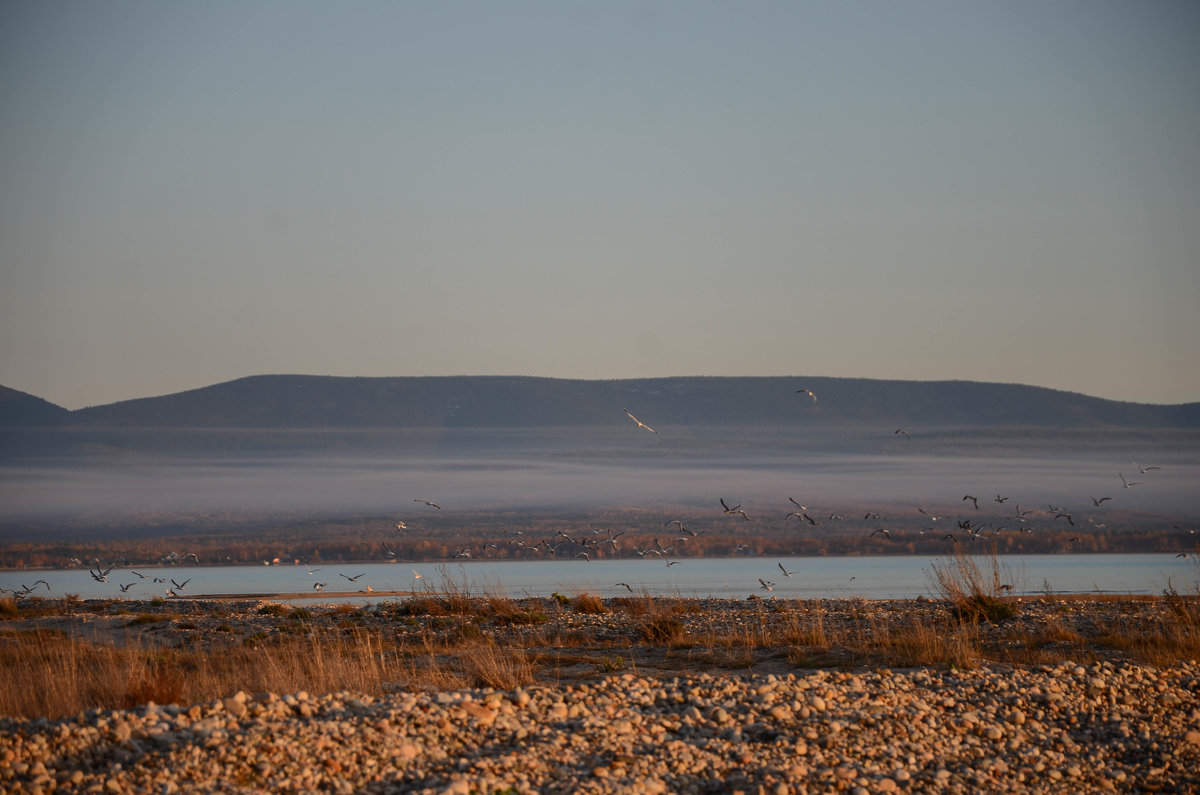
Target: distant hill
20 409
279 402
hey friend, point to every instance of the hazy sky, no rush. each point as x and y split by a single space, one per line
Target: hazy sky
1003 191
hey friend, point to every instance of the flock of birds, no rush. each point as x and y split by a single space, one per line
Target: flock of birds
584 547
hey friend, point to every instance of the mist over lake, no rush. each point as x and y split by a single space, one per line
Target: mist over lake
503 469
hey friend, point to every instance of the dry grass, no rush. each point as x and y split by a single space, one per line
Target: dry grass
49 674
588 603
52 675
974 592
448 640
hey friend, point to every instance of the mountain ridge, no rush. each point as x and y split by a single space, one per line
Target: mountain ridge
336 402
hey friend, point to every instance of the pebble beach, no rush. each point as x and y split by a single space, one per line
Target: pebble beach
1104 726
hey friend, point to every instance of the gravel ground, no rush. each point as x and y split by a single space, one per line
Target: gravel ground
1108 725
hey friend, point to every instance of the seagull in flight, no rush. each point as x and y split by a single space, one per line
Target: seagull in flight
885 534
624 585
809 393
734 509
1000 499
640 424
907 435
181 585
1143 469
973 499
125 588
682 529
1099 502
427 502
767 586
786 573
351 579
1128 483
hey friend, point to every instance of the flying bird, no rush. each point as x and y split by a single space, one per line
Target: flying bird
767 586
786 573
640 424
907 435
682 529
1143 469
427 502
625 585
125 588
351 579
1000 499
734 509
880 531
1127 483
181 585
1101 501
1070 520
973 499
809 393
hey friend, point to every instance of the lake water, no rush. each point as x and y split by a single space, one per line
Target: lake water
886 577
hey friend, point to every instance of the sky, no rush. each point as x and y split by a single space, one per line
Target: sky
1001 191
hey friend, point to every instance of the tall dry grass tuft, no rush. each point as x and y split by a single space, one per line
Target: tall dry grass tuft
805 630
917 641
489 665
585 602
655 620
974 592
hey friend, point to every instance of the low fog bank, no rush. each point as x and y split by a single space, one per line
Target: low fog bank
623 442
899 474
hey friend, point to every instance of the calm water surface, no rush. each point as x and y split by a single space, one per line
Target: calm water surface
890 577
